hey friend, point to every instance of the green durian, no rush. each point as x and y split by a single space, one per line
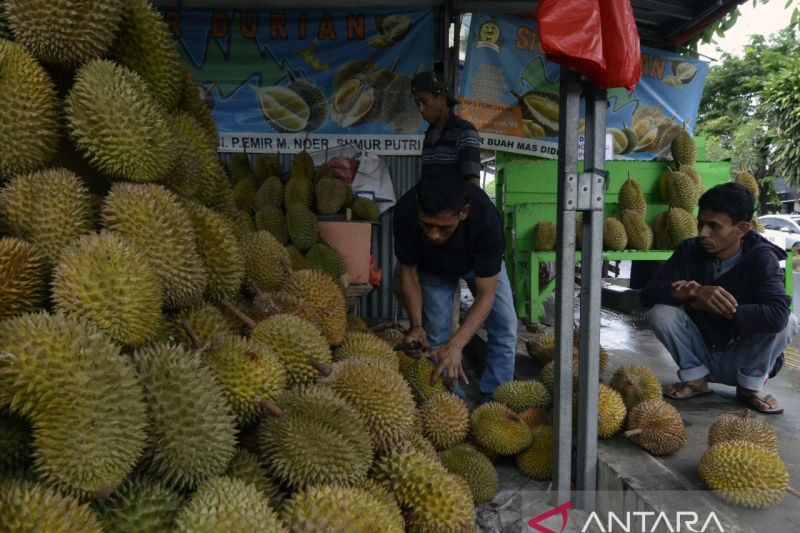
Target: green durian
270 218
25 274
325 296
28 507
266 261
302 226
141 505
473 467
366 209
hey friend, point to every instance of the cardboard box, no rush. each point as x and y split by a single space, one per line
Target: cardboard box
353 242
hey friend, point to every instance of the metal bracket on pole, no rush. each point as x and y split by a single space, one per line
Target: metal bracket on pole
590 190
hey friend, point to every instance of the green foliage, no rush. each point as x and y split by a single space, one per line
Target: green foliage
781 98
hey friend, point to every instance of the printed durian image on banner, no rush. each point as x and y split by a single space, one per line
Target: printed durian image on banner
289 80
510 92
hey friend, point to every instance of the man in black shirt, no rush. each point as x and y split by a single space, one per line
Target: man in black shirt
445 229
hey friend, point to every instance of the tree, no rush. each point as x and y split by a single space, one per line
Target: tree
781 102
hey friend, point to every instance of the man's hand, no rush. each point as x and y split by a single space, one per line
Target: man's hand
417 333
710 298
684 290
449 357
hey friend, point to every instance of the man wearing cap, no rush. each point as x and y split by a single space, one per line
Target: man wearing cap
446 228
450 141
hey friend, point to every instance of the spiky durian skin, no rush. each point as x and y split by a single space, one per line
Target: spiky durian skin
541 348
115 120
302 226
141 505
294 341
366 209
230 505
749 182
536 461
611 412
436 499
246 466
475 468
318 440
332 508
499 429
220 250
270 193
380 395
745 474
266 304
192 103
521 395
49 208
144 44
303 165
208 322
105 280
266 166
636 384
536 417
445 420
266 261
192 430
62 31
662 427
299 190
24 273
15 443
152 219
683 149
544 236
246 369
418 374
87 439
29 111
365 344
326 296
28 507
326 259
331 194
270 218
244 194
732 427
197 172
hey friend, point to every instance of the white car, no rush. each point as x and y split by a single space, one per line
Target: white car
782 230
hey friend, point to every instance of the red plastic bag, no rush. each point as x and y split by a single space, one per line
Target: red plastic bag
597 38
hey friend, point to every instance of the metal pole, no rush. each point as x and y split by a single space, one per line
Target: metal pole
456 52
569 101
591 280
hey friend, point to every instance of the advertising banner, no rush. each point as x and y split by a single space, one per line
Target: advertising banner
288 80
509 91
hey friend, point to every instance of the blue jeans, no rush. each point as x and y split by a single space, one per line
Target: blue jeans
501 324
746 363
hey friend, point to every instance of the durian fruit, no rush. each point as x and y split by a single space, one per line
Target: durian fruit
324 171
313 437
356 323
270 218
266 304
536 417
332 508
681 225
661 237
636 384
197 173
420 443
744 474
269 193
266 166
330 194
379 394
541 348
663 184
144 44
499 429
326 259
209 324
239 167
303 165
105 280
298 190
692 172
611 412
325 296
351 69
29 112
418 374
230 505
28 507
266 261
141 505
152 219
82 398
220 251
118 124
244 194
631 197
191 426
547 374
314 97
366 209
192 102
436 499
656 426
732 427
536 461
367 345
24 273
296 258
640 235
682 191
473 467
294 341
683 149
302 226
246 369
521 395
245 465
614 235
544 236
748 181
48 209
445 420
16 443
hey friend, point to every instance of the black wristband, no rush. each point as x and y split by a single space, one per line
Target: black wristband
415 326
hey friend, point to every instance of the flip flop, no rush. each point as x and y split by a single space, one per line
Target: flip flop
754 403
696 391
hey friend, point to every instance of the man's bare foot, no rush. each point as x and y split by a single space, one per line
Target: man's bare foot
683 390
759 401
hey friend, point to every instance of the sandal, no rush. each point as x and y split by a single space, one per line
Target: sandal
672 391
757 403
